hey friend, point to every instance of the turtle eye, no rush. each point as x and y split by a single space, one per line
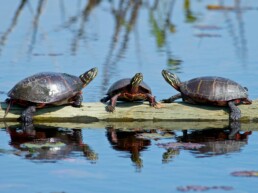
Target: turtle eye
92 73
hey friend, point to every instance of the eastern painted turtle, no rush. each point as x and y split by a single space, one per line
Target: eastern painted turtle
129 89
48 88
211 90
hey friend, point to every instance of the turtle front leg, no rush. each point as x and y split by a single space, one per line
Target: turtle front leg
152 100
27 114
235 112
172 99
112 104
78 100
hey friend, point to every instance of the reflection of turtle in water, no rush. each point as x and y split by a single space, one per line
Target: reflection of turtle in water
216 141
127 141
48 144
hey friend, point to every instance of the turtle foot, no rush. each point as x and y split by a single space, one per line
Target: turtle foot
235 115
110 108
27 115
78 101
157 105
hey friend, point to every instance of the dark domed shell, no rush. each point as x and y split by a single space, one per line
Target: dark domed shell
46 87
213 89
120 84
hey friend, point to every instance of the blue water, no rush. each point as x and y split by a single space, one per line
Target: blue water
74 36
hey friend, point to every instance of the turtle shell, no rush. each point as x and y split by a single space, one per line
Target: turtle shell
123 83
46 87
213 89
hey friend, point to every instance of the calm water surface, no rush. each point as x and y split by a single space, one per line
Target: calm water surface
190 38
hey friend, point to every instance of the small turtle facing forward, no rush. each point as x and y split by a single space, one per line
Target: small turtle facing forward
48 88
210 90
129 89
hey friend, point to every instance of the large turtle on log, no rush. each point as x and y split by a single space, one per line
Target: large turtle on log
129 89
48 88
210 90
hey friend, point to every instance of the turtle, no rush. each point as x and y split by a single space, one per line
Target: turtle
129 89
210 90
46 89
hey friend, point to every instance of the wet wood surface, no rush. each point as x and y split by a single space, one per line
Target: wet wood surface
139 125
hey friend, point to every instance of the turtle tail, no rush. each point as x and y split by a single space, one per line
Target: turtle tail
10 102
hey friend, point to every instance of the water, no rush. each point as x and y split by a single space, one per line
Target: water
122 39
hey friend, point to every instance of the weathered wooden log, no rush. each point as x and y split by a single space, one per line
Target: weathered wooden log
92 112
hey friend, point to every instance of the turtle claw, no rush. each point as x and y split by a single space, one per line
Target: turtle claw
78 101
157 105
234 116
110 108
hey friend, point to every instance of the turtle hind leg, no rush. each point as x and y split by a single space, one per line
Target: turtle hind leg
235 113
10 102
172 99
27 114
105 99
78 100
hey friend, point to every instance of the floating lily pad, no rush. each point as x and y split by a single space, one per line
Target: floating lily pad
245 173
43 145
154 135
177 145
203 188
207 35
207 27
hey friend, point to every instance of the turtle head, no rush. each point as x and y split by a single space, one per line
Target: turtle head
137 79
171 79
88 76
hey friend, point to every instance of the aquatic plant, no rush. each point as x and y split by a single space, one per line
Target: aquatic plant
245 173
